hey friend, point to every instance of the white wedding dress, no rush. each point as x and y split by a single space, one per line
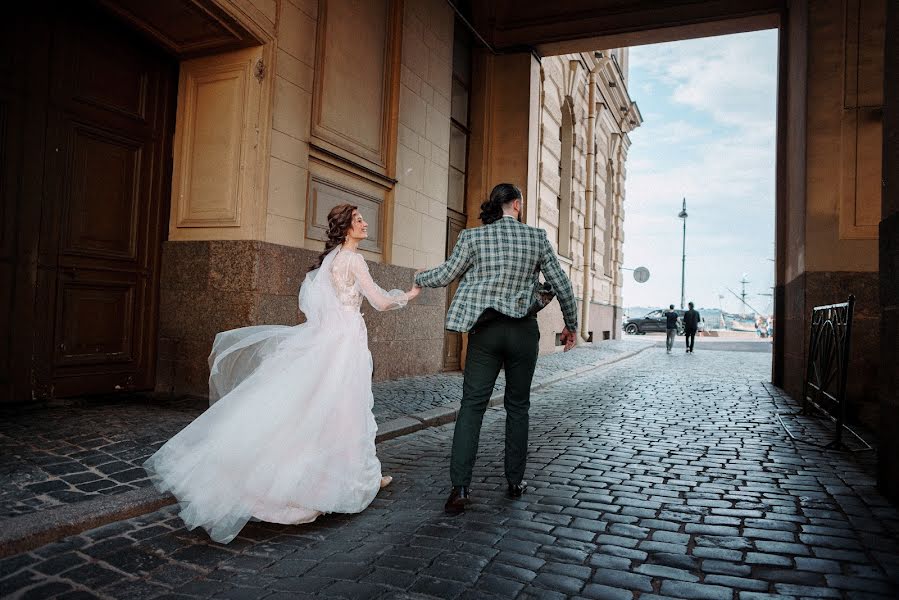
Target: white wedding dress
289 434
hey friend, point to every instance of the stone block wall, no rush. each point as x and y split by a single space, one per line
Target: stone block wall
419 226
212 286
289 161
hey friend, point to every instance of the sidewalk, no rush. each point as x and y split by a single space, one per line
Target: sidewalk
68 468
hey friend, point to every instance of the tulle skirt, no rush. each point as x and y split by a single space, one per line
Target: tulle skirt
289 435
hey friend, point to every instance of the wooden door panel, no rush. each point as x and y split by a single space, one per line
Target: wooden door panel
7 245
103 68
105 189
452 341
96 314
11 110
7 282
102 194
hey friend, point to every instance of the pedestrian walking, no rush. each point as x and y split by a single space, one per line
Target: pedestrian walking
671 317
691 324
498 264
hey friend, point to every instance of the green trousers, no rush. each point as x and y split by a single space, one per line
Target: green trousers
504 343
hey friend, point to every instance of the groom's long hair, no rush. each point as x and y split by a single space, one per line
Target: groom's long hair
340 219
502 194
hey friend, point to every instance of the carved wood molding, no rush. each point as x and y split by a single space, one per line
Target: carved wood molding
862 119
217 114
325 193
201 27
343 122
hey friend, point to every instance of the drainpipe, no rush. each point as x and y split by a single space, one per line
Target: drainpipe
589 195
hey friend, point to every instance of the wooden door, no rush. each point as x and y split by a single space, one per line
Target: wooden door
12 110
102 184
452 342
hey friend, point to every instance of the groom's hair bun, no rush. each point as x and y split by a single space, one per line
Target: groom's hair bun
502 194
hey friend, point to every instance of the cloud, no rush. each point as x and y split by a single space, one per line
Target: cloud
727 77
708 135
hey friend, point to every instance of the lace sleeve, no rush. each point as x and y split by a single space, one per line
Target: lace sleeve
380 299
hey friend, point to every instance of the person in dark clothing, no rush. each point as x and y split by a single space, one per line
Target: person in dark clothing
670 328
691 325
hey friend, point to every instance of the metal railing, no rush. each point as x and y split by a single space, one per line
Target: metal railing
827 371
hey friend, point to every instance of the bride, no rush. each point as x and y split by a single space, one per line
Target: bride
289 434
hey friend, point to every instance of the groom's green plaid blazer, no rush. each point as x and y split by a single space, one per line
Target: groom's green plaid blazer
499 264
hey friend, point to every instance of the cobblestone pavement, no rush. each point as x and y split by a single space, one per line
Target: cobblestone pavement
645 485
417 394
65 455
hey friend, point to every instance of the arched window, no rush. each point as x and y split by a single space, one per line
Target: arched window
566 173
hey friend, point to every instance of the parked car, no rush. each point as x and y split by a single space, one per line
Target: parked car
653 321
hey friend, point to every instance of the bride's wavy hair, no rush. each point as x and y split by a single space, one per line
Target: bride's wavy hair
340 219
502 194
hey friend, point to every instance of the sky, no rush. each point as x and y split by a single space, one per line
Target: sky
708 135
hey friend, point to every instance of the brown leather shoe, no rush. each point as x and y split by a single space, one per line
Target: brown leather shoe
457 500
517 489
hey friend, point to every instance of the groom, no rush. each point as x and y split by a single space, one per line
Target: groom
498 264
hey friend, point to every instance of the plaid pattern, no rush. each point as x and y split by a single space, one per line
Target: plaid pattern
499 264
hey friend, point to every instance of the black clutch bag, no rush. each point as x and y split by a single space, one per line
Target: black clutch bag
543 295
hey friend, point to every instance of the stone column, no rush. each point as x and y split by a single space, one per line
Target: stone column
504 139
888 466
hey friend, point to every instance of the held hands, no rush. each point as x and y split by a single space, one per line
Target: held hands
416 290
569 338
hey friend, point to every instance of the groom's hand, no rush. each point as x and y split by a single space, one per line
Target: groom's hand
569 338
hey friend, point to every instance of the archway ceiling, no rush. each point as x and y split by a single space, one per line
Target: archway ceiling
566 26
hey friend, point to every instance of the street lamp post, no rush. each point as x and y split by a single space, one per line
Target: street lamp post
683 259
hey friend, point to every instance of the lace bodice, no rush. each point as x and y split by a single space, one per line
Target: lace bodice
352 281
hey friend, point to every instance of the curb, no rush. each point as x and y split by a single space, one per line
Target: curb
27 532
447 414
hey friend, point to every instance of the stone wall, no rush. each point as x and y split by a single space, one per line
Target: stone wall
828 245
816 288
289 162
212 286
419 234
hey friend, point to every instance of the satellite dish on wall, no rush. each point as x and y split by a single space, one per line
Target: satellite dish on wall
641 274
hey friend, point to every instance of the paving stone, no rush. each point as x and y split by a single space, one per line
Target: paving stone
726 568
640 487
623 579
666 572
93 576
437 587
760 558
46 590
60 564
605 592
698 591
737 583
805 591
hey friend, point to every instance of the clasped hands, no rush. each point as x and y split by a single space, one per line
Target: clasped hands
413 293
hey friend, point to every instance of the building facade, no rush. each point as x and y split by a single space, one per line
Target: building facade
584 116
225 129
190 150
